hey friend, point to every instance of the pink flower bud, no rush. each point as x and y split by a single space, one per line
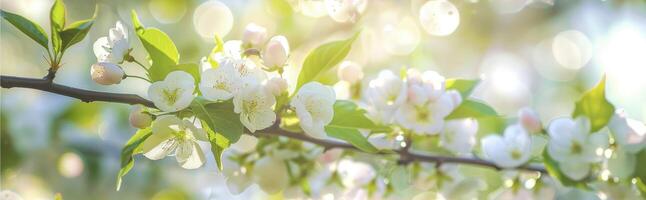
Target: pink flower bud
138 118
350 71
529 120
254 35
106 73
276 85
276 52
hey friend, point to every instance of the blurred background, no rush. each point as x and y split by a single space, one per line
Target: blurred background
537 53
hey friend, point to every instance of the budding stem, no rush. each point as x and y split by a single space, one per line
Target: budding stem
139 77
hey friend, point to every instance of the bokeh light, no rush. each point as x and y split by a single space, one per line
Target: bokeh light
439 17
70 165
167 11
572 49
400 35
212 17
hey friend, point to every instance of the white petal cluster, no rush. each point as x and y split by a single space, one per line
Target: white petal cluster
174 93
345 10
510 150
114 47
254 104
385 94
350 72
314 105
573 146
459 136
254 35
629 134
171 135
355 174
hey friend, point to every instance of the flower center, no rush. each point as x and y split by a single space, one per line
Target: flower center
171 95
576 147
423 114
515 154
221 85
250 106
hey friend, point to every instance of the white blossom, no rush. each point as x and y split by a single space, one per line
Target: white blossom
171 135
270 173
114 47
529 120
138 118
459 136
255 107
425 118
423 87
630 134
355 174
174 93
106 73
385 94
571 144
254 35
276 86
276 52
350 72
511 150
314 105
221 83
345 10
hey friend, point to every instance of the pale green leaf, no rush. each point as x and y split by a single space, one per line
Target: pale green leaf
57 19
220 117
595 106
352 136
471 109
75 32
348 115
131 148
218 143
324 58
160 48
26 26
552 168
463 86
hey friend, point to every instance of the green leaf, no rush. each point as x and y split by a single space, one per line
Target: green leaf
57 18
324 58
220 117
26 26
218 143
552 168
640 167
352 136
470 108
595 106
160 48
132 147
464 86
139 28
160 72
348 115
75 32
219 47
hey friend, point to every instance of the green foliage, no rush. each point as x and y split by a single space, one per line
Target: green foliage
220 117
26 26
640 171
472 109
219 47
132 147
351 135
552 168
464 86
160 48
218 143
348 115
57 20
595 106
324 58
75 33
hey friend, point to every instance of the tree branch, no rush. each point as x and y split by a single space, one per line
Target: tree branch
89 96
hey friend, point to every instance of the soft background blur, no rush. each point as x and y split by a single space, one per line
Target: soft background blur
540 54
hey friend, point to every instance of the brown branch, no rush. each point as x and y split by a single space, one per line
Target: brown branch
89 96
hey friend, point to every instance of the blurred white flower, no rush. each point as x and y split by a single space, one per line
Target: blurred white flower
330 156
530 120
221 83
425 118
106 73
511 150
314 105
276 52
270 173
571 144
174 93
345 10
350 71
276 86
138 118
459 135
114 47
254 35
171 134
382 141
423 87
245 144
385 94
355 174
254 105
630 134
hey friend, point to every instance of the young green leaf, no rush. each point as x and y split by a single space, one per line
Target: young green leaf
463 86
132 147
26 26
324 58
348 115
595 106
57 18
552 168
640 169
352 136
158 73
139 28
75 33
218 143
160 48
471 109
220 117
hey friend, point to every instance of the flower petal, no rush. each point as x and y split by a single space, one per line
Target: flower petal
158 146
195 159
575 170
